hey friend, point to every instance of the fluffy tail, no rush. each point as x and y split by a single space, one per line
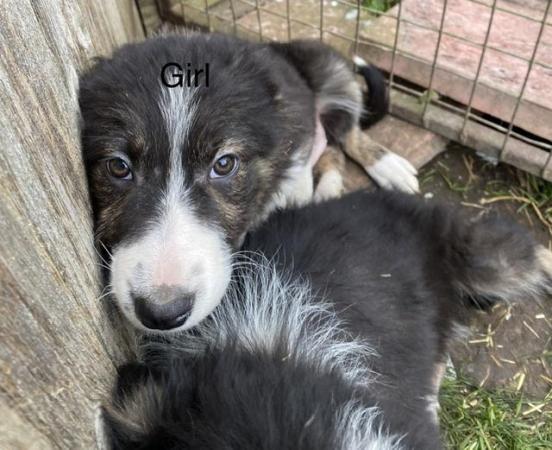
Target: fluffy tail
493 260
376 100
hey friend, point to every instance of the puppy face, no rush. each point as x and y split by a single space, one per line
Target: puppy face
178 175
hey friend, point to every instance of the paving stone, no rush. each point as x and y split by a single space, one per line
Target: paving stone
338 20
416 144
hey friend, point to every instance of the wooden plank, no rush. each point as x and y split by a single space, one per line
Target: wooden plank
481 138
58 350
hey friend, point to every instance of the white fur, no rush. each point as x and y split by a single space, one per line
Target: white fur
394 172
265 310
329 186
177 250
433 407
319 145
361 62
270 312
357 430
341 91
296 187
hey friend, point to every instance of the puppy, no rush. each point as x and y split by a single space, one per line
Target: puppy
179 174
334 338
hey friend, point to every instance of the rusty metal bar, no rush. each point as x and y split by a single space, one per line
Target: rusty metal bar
476 79
434 65
288 20
141 17
206 2
321 20
259 20
183 13
233 13
357 28
395 46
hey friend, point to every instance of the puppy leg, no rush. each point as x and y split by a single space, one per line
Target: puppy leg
386 168
328 171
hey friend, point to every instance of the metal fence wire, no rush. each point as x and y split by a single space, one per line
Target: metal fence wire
475 71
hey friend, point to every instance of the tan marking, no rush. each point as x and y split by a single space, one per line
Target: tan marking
331 159
362 149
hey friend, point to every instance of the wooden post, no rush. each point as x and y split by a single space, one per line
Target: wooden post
57 350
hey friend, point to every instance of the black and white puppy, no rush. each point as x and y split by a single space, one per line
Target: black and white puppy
337 341
179 174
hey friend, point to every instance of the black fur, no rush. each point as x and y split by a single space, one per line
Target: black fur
376 100
400 272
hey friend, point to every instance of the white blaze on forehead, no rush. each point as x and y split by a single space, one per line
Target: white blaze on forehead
178 107
177 249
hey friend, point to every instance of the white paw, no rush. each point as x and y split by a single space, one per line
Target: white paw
395 172
329 186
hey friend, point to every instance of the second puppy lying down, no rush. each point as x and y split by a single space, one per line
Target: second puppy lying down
339 342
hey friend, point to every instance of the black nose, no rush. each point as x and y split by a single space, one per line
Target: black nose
156 314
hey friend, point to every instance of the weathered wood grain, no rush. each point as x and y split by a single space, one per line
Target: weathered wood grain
57 350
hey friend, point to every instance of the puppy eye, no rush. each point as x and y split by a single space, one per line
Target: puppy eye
225 166
119 168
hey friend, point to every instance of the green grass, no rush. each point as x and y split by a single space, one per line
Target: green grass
379 6
531 193
480 419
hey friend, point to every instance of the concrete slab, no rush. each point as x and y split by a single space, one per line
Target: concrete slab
416 144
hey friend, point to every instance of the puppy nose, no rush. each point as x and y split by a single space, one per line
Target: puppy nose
156 314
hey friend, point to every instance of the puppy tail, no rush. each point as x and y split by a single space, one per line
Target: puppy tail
376 100
494 260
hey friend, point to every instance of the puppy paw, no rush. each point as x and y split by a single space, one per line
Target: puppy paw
395 172
329 186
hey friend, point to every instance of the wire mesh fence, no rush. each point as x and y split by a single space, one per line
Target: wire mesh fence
475 71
